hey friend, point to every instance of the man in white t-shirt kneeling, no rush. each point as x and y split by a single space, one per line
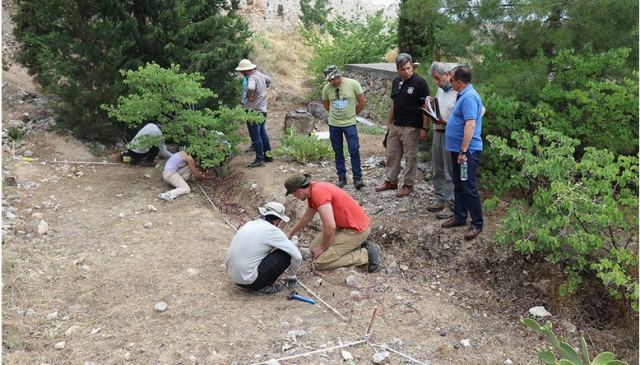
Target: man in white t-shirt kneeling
261 252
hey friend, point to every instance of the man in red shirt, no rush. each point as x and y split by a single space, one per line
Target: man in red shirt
345 225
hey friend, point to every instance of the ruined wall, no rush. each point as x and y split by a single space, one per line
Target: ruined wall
376 80
284 14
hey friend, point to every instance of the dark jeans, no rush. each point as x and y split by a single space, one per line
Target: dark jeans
467 197
270 269
353 143
148 157
259 138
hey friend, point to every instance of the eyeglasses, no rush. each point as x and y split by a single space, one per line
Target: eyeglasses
337 93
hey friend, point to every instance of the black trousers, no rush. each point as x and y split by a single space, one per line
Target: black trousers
270 269
149 156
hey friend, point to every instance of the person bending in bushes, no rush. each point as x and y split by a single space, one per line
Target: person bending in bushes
178 169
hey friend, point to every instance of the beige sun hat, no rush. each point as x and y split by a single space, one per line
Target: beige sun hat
245 65
274 208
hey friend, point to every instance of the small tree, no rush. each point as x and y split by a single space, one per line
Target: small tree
171 98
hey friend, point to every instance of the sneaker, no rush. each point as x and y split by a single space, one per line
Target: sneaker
271 289
165 196
445 214
256 163
342 181
373 250
387 186
435 207
357 182
404 191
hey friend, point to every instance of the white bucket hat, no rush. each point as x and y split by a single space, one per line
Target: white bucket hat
274 208
245 65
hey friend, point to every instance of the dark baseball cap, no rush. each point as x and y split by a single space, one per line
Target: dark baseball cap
296 181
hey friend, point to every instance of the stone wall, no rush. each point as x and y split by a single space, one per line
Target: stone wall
285 14
376 80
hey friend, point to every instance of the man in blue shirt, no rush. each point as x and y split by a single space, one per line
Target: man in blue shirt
463 140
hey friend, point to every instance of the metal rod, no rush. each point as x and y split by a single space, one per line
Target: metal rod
400 353
312 352
216 208
322 301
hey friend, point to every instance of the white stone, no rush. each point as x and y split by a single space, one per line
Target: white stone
148 225
36 215
380 357
294 334
79 173
43 227
29 312
351 280
60 345
95 330
346 355
272 362
161 306
121 214
147 176
71 330
465 343
539 312
508 362
151 208
52 316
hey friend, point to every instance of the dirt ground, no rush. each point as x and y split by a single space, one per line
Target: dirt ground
111 251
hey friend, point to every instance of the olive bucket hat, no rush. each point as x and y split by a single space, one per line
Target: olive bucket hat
296 181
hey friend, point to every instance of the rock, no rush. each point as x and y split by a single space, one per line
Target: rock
60 345
570 327
79 173
43 227
272 362
148 225
395 342
151 208
29 312
508 362
10 181
15 124
346 356
380 357
71 330
37 215
465 343
147 176
27 153
294 334
306 253
52 316
318 282
392 268
121 214
351 280
95 330
302 123
539 312
161 306
404 267
317 110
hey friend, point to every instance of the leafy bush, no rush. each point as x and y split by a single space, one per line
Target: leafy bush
314 15
15 133
341 41
171 98
372 130
581 214
568 355
304 148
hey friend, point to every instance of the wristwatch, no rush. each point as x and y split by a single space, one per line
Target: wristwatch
463 153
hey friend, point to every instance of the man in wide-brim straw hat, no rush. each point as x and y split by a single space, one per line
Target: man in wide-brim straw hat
260 252
254 98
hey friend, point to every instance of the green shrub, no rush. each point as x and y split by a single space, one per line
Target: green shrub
372 130
15 133
172 99
341 41
568 355
304 148
581 214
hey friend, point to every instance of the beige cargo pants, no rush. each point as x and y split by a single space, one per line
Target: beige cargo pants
344 251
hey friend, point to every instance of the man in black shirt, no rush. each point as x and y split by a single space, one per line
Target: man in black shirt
406 126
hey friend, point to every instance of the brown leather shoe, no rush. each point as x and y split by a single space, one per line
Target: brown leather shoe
404 191
452 222
387 186
472 232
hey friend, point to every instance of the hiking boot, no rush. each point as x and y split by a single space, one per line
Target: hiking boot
342 181
256 163
472 232
358 183
165 196
373 250
387 186
435 207
271 289
268 159
452 222
404 191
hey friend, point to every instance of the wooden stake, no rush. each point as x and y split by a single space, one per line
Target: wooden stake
322 301
373 317
216 208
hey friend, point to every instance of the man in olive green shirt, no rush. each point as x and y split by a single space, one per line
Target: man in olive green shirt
343 98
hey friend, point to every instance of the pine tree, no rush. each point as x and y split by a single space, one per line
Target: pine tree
416 29
76 49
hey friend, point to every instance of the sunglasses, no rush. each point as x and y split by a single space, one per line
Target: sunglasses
337 93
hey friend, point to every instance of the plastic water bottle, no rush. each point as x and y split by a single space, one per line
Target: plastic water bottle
463 171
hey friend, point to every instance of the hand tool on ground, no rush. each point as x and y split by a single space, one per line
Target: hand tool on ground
294 295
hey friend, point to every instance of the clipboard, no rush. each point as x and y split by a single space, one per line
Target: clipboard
430 112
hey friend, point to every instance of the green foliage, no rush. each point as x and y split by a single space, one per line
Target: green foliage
304 148
581 214
76 49
341 41
372 130
97 149
315 14
172 98
568 355
417 22
15 133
